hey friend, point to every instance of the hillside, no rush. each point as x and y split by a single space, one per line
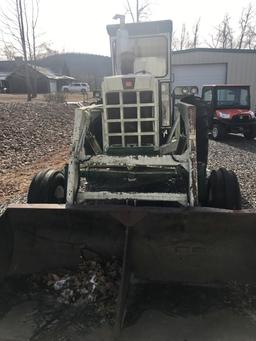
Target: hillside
85 67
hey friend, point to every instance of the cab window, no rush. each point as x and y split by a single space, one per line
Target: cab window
207 95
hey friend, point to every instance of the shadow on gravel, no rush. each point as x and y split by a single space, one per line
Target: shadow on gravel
238 141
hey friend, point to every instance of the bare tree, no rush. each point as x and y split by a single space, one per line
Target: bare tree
250 41
223 36
138 11
19 22
44 50
183 41
175 41
246 27
195 33
8 52
243 37
184 38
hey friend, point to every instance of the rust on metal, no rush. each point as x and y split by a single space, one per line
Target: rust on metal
195 244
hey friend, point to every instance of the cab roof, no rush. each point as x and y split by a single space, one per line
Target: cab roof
225 85
143 28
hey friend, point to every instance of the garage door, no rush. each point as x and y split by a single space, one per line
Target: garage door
199 74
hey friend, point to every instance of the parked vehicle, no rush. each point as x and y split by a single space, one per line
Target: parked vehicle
76 87
229 110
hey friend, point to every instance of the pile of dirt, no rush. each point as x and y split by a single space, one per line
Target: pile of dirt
33 136
30 131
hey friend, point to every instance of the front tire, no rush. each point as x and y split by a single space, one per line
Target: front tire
48 186
224 190
218 132
250 133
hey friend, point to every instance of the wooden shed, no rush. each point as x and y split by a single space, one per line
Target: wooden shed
46 81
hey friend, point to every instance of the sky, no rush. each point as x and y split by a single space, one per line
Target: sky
80 25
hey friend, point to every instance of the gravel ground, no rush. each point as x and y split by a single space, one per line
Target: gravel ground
29 131
32 135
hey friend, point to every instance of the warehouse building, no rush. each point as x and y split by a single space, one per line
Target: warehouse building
203 66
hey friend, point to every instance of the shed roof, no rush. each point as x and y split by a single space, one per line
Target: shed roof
43 71
51 75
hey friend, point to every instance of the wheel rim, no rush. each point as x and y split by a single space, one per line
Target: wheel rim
215 132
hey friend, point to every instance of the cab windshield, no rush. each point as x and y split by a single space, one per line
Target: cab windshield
149 55
233 97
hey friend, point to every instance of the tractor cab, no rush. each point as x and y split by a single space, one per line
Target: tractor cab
229 110
137 97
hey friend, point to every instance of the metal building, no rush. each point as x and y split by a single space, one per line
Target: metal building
203 66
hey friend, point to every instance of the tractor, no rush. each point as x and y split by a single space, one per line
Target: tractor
137 186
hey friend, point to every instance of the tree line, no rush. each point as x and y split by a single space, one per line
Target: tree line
224 34
19 34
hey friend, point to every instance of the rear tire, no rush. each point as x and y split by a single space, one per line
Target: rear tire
218 132
250 133
224 190
48 186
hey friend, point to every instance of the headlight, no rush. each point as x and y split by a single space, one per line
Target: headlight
165 104
194 90
224 115
252 114
185 90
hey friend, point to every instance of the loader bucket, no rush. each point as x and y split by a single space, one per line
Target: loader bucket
162 244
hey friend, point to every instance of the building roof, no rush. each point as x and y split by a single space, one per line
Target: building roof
13 66
209 49
51 75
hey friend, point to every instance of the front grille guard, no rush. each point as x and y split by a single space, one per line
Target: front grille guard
130 120
187 160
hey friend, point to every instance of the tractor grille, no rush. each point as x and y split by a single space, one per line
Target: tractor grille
130 119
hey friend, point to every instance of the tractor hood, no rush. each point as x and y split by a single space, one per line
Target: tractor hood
230 113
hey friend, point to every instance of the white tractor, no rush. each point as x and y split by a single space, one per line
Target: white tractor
136 186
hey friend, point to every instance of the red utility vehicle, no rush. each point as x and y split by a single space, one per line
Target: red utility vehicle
229 110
